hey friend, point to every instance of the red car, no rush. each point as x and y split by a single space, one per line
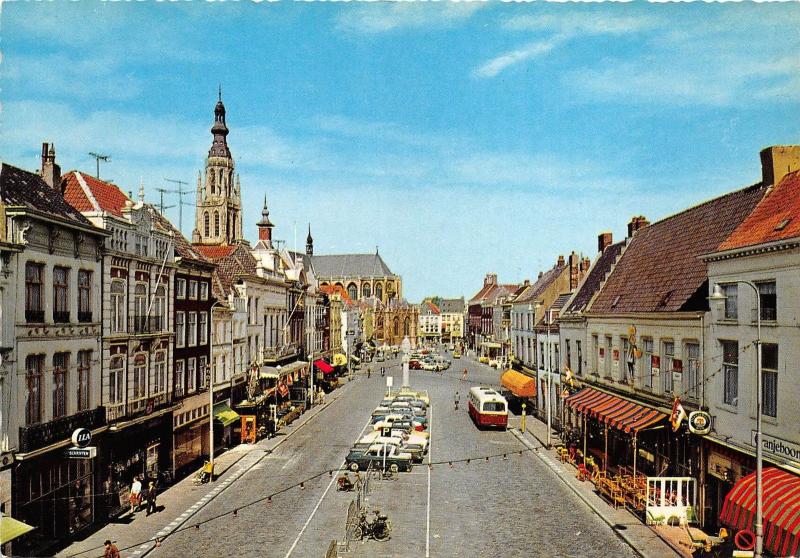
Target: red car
414 364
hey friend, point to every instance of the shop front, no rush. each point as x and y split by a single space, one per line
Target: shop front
227 425
190 434
141 448
325 376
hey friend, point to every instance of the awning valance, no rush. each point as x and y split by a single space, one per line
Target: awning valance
293 367
323 366
615 411
269 374
11 528
781 509
491 345
224 414
519 384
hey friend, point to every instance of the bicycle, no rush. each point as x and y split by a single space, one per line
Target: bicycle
378 529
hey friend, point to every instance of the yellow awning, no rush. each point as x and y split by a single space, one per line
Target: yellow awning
491 345
339 359
10 529
519 384
225 414
268 374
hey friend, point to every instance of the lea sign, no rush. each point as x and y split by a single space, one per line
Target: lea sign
81 437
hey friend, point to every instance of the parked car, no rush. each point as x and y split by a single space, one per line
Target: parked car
456 354
416 448
483 360
380 456
415 365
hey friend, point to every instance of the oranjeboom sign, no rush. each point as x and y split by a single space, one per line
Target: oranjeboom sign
789 451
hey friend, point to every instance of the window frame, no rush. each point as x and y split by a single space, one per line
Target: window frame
116 380
117 306
769 389
180 288
84 364
60 382
730 372
180 329
34 291
202 328
84 295
769 313
34 373
730 310
191 329
61 295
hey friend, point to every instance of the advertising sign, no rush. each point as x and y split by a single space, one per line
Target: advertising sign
788 451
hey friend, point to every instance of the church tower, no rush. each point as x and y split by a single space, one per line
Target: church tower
309 242
218 212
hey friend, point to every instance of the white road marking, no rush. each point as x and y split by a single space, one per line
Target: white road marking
314 511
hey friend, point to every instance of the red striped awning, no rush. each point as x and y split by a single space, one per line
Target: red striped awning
781 505
615 411
324 366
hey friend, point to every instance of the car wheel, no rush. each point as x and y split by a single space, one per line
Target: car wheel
354 467
394 468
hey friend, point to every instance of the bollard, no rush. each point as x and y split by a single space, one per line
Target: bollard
522 422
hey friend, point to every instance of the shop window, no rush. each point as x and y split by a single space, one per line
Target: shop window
769 379
730 366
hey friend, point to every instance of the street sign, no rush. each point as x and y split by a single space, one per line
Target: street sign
81 437
389 381
81 453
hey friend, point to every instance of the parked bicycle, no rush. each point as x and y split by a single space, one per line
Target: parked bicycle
379 528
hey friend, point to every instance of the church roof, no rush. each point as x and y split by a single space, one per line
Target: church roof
22 188
351 265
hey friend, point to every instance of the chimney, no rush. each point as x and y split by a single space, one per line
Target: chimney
560 262
586 263
540 275
51 172
637 223
526 283
777 161
490 279
574 271
604 240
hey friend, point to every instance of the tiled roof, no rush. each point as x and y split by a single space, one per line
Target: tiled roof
660 270
594 280
87 193
351 265
22 188
233 261
452 305
215 251
428 308
560 301
541 284
481 294
776 217
183 247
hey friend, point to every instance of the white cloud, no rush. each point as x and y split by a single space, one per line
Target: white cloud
380 17
582 23
525 53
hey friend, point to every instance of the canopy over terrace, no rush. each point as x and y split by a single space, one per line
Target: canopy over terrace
520 384
781 509
614 412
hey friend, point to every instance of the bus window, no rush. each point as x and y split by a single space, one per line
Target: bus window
492 406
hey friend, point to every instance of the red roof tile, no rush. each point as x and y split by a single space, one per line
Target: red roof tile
87 193
776 217
215 251
660 270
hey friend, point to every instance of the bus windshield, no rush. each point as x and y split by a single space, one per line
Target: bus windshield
494 406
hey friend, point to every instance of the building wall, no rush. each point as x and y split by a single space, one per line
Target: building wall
736 423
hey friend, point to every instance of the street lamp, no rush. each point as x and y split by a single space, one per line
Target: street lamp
311 365
718 296
548 370
210 373
405 346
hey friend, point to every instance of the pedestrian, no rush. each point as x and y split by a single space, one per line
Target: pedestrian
111 550
150 497
464 375
456 400
136 494
369 372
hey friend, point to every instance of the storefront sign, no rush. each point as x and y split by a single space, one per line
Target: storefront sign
81 453
788 451
720 466
81 437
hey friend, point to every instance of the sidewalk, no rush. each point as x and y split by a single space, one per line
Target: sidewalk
641 538
136 535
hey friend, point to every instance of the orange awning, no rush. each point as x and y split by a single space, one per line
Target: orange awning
615 411
520 384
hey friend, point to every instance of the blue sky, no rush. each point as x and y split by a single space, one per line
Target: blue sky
460 138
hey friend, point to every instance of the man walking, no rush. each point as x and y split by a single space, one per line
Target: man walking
111 550
150 497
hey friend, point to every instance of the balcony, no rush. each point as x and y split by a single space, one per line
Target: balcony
41 435
146 324
61 317
34 316
84 317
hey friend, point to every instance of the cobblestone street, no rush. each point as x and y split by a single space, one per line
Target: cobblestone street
514 503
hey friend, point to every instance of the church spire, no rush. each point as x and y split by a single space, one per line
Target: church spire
309 242
219 146
265 225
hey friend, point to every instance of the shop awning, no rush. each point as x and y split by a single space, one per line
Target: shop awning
270 374
615 411
339 360
224 414
491 345
11 528
519 384
781 509
324 366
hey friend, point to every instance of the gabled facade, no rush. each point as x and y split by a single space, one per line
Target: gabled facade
430 322
453 319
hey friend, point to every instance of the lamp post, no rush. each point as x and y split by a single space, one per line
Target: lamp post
718 296
311 375
210 375
548 371
405 346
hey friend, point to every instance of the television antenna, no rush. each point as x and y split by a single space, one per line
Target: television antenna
181 192
97 158
161 206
